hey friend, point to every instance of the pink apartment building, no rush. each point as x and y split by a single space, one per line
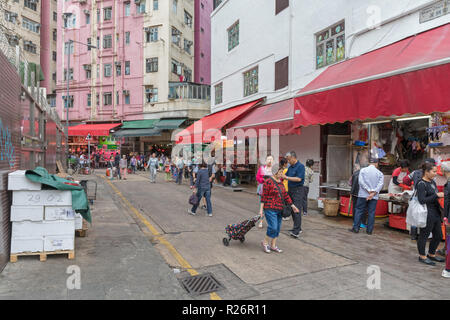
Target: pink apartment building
202 41
106 81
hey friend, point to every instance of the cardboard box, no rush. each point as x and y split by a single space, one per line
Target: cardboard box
62 242
18 181
44 228
42 198
27 213
27 244
78 221
59 213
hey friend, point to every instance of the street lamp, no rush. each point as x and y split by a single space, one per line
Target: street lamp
66 17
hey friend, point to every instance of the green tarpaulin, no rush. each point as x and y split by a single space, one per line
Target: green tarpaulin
32 67
169 124
79 199
139 124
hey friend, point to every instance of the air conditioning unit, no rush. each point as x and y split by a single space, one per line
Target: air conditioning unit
86 11
147 29
137 1
118 63
82 1
126 92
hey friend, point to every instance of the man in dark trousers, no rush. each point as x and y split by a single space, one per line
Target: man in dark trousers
296 179
354 182
116 164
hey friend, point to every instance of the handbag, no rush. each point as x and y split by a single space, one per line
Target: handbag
417 213
287 210
193 199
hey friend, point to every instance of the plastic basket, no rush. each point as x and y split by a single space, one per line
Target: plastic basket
331 207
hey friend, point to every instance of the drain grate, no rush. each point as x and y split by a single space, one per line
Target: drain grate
201 284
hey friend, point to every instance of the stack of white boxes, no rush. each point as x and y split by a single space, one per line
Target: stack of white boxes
42 220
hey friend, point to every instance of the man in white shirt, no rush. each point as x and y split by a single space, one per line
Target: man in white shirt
371 181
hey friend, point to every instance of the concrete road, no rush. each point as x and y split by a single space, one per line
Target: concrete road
143 241
327 262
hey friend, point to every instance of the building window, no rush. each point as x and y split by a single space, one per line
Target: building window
30 4
187 46
54 76
251 82
68 47
70 74
187 75
55 35
89 98
127 37
117 98
97 99
54 55
152 65
151 34
140 7
217 3
127 68
280 5
174 6
87 68
70 22
107 14
89 44
282 73
98 15
127 9
127 97
31 25
330 45
107 42
176 37
10 16
151 94
118 69
218 91
98 42
55 16
155 5
176 67
29 46
107 99
107 70
88 18
233 36
70 101
187 19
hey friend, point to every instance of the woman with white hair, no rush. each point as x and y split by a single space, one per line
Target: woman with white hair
264 172
445 168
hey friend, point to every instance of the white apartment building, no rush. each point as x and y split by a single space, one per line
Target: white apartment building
274 48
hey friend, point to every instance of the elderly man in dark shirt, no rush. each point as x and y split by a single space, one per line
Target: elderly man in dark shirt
203 186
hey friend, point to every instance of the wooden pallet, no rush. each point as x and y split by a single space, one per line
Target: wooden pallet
82 232
42 255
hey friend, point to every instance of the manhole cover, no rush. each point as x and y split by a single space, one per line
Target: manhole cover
201 284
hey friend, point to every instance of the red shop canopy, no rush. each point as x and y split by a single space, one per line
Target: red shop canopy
216 120
411 76
279 115
94 130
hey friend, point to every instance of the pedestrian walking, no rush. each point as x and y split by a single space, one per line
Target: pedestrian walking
203 189
123 164
117 164
264 172
445 167
371 181
309 175
413 179
296 179
284 164
273 199
133 163
153 167
167 169
180 169
428 195
354 182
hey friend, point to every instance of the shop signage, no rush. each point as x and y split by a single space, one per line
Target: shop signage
435 11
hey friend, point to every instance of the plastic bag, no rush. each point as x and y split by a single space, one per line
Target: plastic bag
417 213
193 199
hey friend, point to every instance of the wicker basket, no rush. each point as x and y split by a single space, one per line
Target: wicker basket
331 207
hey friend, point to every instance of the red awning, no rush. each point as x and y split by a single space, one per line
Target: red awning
202 131
94 130
279 115
411 76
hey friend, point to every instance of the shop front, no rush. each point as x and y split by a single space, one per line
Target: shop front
387 104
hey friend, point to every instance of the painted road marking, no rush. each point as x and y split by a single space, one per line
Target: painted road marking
183 262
